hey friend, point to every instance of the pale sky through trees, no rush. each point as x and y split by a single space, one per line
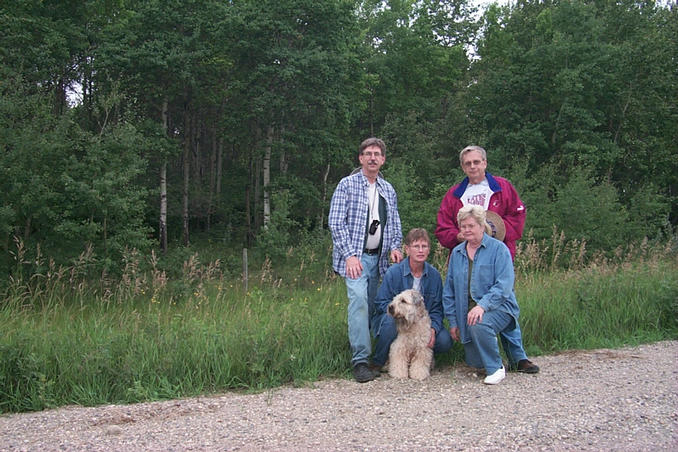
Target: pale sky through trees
485 3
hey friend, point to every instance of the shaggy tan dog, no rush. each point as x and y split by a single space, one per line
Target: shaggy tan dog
409 356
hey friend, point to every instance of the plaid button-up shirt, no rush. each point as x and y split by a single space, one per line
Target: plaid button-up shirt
348 221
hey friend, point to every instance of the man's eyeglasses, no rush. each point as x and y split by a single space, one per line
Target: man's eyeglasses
472 162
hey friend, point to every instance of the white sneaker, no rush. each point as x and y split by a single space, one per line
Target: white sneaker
496 377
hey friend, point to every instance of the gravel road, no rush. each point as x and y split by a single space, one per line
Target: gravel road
600 400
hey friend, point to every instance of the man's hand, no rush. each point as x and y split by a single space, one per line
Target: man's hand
432 341
475 315
396 256
454 332
353 267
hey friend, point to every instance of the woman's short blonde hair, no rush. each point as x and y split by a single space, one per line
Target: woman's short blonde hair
475 212
416 234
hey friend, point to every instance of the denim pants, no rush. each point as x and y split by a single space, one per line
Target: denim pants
483 350
512 343
361 294
385 331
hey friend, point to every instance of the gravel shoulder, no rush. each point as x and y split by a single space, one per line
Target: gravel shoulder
617 400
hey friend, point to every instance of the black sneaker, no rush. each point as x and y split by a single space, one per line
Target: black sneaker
525 366
376 369
362 373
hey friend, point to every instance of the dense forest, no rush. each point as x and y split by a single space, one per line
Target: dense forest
148 124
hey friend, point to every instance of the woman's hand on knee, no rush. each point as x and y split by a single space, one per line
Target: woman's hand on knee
475 315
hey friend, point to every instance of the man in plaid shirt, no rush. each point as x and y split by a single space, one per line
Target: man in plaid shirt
365 227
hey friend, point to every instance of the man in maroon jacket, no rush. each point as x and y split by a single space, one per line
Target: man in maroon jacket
495 194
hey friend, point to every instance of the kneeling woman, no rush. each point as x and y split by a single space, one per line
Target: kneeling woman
478 296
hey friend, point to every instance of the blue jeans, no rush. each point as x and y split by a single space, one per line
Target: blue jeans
512 343
385 331
483 350
361 294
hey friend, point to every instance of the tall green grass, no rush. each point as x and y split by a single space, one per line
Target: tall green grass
599 308
219 339
69 338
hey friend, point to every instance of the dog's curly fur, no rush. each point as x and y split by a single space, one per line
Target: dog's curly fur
409 355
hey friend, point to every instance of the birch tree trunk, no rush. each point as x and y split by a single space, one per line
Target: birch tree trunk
321 216
213 177
284 163
267 177
187 175
220 163
256 195
162 228
248 203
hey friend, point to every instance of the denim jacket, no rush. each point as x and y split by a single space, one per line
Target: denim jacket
492 281
399 277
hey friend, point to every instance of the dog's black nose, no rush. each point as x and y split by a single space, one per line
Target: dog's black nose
390 310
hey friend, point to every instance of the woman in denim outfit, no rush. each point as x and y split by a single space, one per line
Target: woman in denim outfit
413 272
478 297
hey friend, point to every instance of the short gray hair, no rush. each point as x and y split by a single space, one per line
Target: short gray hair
468 149
372 141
